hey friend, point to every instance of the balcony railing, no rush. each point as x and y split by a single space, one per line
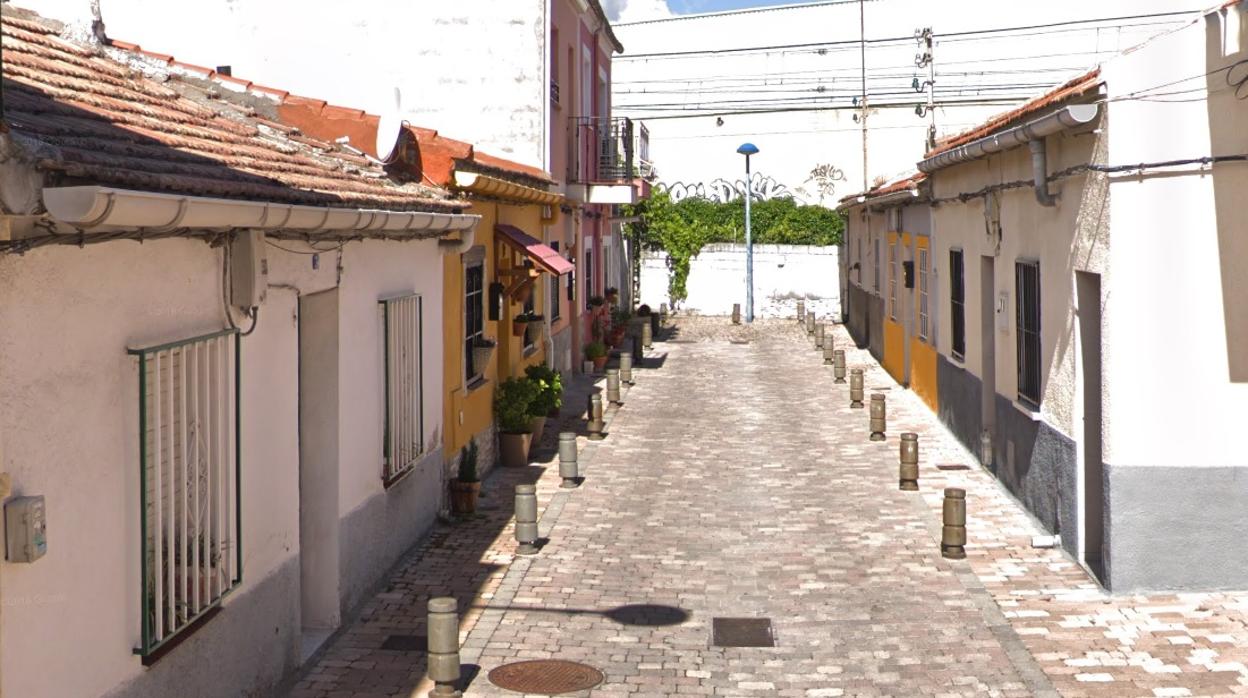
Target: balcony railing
607 150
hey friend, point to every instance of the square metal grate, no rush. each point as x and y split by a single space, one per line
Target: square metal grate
952 466
742 632
406 643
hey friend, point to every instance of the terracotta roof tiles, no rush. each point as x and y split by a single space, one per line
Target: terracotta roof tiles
103 122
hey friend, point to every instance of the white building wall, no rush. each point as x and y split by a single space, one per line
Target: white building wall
783 274
70 425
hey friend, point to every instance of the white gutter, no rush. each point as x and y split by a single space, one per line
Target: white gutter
93 207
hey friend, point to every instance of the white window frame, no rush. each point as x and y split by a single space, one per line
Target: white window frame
924 318
403 380
892 280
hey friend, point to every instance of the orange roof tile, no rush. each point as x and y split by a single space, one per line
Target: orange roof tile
908 182
1074 88
91 118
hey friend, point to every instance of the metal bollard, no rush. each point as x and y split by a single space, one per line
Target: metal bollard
838 365
828 350
594 418
442 631
736 313
855 388
953 535
647 335
526 519
819 331
569 469
908 472
877 416
613 387
626 367
801 312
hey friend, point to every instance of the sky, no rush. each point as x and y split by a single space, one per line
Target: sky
640 10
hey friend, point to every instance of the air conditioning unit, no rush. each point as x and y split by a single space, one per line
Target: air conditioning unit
249 270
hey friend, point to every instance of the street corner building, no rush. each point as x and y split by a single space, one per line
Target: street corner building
223 367
1064 286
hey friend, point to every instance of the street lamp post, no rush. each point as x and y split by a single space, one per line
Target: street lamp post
748 149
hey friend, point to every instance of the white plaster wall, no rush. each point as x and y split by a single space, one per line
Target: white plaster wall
782 275
70 423
1171 400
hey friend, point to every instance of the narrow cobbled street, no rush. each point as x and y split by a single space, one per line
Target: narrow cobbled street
736 482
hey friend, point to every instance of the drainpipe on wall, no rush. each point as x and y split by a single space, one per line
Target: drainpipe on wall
1040 173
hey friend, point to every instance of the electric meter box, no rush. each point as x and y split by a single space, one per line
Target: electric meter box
25 529
249 269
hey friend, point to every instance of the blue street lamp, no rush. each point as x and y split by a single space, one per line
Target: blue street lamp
748 149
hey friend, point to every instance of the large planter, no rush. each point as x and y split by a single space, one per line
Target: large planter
537 425
464 496
514 449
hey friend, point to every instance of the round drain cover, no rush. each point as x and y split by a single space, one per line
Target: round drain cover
546 676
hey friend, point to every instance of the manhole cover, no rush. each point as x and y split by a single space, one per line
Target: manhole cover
952 466
405 643
546 676
742 632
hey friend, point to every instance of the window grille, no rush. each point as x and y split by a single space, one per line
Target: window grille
957 303
923 315
1027 336
875 266
474 317
404 402
189 495
554 290
892 281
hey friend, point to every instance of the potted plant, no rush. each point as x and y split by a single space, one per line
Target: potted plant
467 487
619 325
596 352
512 404
596 304
550 399
521 323
482 352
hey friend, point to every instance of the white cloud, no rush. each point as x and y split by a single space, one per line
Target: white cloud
636 10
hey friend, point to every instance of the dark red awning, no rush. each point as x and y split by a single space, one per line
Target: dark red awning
543 256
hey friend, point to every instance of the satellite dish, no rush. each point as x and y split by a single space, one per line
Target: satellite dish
388 129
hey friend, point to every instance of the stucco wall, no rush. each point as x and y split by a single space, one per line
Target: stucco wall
70 422
783 274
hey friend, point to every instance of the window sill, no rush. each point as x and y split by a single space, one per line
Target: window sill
388 483
475 384
960 358
172 643
529 351
1027 408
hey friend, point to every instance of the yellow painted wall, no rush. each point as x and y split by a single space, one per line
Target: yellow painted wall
923 354
469 411
894 331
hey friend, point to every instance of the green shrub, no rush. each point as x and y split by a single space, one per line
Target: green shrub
512 404
468 462
595 350
550 399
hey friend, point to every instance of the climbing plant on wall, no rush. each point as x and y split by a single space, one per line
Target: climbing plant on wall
682 229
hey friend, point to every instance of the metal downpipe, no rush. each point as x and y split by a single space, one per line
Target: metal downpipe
1040 173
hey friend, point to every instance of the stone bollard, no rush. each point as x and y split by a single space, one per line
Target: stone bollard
663 312
810 323
819 331
855 388
569 469
801 312
526 519
953 535
647 335
877 416
442 631
908 472
626 367
838 365
594 418
828 350
613 387
736 313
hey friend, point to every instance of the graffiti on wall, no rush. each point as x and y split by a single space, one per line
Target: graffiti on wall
823 180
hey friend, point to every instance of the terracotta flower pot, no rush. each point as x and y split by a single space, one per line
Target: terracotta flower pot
537 425
600 363
514 449
464 496
518 327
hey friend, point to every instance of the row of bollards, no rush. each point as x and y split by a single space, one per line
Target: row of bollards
953 531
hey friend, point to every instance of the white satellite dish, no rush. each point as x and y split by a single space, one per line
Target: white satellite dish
388 129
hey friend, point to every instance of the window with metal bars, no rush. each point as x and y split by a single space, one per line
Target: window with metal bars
875 266
404 428
892 281
474 318
189 498
1027 334
923 314
589 274
554 290
957 303
530 307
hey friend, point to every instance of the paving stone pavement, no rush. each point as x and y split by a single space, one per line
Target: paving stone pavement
737 482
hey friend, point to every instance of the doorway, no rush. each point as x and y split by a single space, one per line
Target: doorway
988 366
319 610
1091 457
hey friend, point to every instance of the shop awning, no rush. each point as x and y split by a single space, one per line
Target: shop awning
542 256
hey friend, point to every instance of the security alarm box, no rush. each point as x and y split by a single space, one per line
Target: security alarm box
249 269
25 529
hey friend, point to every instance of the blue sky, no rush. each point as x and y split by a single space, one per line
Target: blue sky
686 6
640 10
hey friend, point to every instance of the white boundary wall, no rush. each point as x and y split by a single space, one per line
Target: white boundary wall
782 275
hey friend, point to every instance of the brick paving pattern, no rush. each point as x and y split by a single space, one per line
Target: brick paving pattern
736 482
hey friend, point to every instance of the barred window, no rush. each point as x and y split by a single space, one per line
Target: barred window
554 290
923 315
1027 334
957 303
404 427
190 516
892 281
